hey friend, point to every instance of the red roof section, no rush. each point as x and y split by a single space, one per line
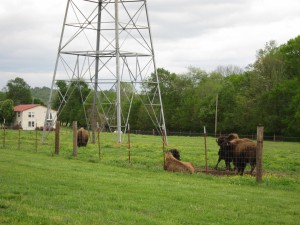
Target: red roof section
21 108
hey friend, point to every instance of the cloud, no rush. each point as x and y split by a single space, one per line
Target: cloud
221 33
201 33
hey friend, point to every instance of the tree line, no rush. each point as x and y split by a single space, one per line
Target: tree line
16 92
266 93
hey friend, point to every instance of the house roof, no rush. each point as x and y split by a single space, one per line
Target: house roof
21 108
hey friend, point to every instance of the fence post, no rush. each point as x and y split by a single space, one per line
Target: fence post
163 146
98 141
4 134
36 139
205 149
57 130
129 143
75 152
259 149
19 139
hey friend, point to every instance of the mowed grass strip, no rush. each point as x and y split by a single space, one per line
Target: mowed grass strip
37 188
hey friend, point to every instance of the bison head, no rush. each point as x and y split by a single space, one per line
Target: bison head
221 140
175 153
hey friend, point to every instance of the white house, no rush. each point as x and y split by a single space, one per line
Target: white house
30 116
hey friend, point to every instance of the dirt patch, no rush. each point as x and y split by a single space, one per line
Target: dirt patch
220 172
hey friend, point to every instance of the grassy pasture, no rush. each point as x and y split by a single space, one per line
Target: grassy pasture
38 187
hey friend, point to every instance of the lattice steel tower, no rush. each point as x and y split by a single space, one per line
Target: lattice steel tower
107 44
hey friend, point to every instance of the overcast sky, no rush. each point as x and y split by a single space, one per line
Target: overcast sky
199 33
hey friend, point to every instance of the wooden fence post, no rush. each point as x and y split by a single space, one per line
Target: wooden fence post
19 139
129 146
98 140
205 149
57 130
4 134
163 146
75 148
259 150
36 139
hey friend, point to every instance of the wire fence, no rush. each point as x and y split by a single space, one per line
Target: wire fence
139 149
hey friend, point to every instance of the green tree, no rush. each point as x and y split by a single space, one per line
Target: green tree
280 108
227 104
170 93
290 53
40 95
269 67
7 111
72 102
135 114
2 96
205 100
18 91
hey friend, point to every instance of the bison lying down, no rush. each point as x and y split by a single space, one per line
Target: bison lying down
175 153
82 137
175 165
236 150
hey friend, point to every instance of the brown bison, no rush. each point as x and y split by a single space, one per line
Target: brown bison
232 136
175 165
175 153
236 150
82 137
224 151
243 152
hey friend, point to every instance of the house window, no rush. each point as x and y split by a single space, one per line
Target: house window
30 123
19 114
31 114
49 117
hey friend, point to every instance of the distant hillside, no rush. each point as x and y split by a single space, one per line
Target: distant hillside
41 93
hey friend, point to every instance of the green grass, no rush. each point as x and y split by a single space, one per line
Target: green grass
38 187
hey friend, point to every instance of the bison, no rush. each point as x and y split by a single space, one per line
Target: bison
232 136
225 151
82 137
175 165
236 150
243 152
175 153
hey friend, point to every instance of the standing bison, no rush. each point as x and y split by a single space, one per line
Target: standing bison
244 151
82 137
236 150
225 152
